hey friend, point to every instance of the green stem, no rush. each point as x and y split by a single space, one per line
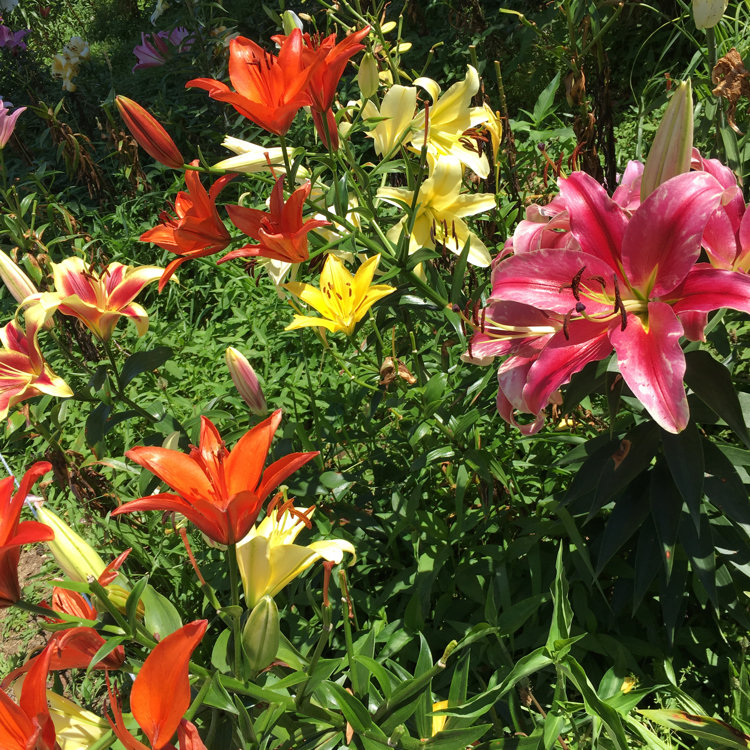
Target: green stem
234 586
287 164
114 381
325 635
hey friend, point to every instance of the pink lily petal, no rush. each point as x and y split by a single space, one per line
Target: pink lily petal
596 221
543 279
662 240
707 288
627 195
653 364
586 342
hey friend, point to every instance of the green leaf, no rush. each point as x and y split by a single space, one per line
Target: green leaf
666 508
453 739
713 384
354 712
562 613
386 680
724 488
700 548
705 727
96 425
140 362
161 617
684 456
109 646
131 605
220 656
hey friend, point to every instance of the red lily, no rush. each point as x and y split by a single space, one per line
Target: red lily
270 90
28 725
281 232
626 283
13 534
325 76
220 491
198 229
161 693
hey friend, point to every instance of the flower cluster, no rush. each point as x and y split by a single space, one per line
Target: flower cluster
12 40
65 64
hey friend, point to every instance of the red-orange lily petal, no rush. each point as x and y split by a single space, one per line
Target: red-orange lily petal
149 133
161 691
28 726
270 90
197 230
282 233
13 534
220 491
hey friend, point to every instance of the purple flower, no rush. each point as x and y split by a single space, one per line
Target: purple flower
156 49
8 121
12 39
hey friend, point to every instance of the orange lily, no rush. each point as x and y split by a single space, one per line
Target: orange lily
161 693
28 725
281 233
14 534
270 90
198 229
99 300
327 61
23 371
220 491
149 133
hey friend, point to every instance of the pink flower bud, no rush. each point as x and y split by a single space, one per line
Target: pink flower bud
16 281
246 381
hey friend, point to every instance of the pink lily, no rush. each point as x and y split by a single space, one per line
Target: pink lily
23 371
8 121
99 299
625 285
156 49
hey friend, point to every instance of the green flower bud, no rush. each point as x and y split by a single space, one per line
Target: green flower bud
673 144
260 636
367 77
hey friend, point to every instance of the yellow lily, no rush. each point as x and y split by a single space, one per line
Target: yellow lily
397 111
440 209
269 559
249 157
343 298
76 728
450 116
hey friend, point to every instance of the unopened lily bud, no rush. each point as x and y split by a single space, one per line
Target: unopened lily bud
367 76
673 143
260 636
707 13
246 381
404 47
77 558
149 133
290 21
388 26
16 281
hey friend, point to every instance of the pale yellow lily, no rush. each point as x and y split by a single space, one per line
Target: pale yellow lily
249 157
440 208
450 116
269 559
343 298
397 111
76 728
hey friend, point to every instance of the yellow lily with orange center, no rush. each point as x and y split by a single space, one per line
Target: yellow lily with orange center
99 299
343 298
440 211
269 559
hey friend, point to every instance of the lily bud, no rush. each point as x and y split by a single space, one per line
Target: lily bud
246 381
151 136
707 13
388 26
673 143
77 558
290 21
260 636
367 76
16 281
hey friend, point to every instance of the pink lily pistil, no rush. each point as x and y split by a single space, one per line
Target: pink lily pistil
629 281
